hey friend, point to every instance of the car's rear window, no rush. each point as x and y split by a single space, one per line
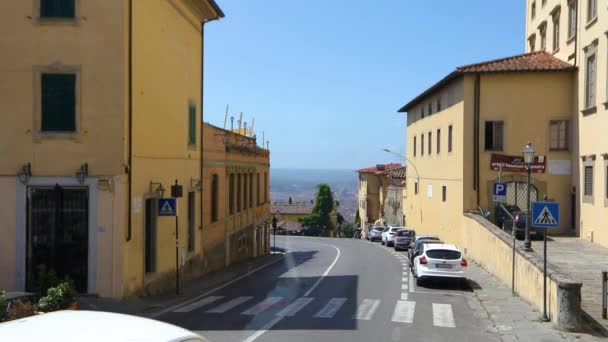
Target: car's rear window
379 229
405 233
395 229
444 254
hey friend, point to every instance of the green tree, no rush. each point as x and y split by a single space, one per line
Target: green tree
347 230
358 218
322 209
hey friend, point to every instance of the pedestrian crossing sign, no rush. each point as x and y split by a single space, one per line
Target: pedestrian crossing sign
167 207
545 214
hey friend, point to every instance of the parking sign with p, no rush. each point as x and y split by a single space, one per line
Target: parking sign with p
500 192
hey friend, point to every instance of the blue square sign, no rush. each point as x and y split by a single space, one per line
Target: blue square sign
500 192
545 214
167 207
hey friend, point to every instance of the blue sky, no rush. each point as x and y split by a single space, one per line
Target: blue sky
324 78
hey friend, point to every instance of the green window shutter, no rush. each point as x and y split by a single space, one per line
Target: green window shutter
191 124
57 8
58 103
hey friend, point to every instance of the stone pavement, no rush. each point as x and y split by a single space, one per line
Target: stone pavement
150 305
509 316
583 261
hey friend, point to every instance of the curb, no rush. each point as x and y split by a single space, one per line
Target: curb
594 324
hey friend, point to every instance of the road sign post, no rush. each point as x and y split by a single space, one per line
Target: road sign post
176 192
545 215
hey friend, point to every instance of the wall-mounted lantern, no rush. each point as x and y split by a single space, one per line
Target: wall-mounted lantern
25 173
196 184
160 191
82 173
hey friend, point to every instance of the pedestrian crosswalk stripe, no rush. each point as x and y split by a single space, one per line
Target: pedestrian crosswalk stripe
330 309
262 306
366 309
404 312
294 307
198 304
443 315
230 305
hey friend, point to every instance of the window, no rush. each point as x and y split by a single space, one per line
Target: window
558 130
450 138
231 195
532 43
422 112
214 197
266 187
59 9
258 190
439 104
543 36
250 190
422 145
430 143
591 10
430 106
150 235
58 102
438 140
588 188
191 124
414 146
444 193
556 30
239 193
571 19
533 10
494 134
415 188
191 219
245 190
590 82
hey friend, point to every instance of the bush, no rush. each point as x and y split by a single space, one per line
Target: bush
58 297
46 279
3 307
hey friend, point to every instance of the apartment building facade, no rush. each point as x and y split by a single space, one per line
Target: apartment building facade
575 31
102 105
467 132
371 194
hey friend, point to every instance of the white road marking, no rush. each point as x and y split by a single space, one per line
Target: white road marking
443 315
404 286
404 279
230 305
198 304
273 322
330 309
262 306
404 312
366 309
412 282
294 307
403 295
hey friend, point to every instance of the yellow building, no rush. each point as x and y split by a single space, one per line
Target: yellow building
236 202
102 105
460 130
371 194
575 31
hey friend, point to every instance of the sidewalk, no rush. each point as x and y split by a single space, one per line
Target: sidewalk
509 316
583 261
150 305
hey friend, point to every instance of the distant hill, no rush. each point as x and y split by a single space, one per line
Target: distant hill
301 186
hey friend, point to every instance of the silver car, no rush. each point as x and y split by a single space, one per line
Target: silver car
403 238
375 233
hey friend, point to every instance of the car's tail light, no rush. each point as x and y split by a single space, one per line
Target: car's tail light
463 263
423 261
517 218
391 233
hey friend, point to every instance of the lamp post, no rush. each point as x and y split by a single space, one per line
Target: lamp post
528 153
408 162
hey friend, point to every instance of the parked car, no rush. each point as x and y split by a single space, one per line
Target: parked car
403 238
439 261
416 249
412 247
375 233
310 231
69 325
388 235
520 226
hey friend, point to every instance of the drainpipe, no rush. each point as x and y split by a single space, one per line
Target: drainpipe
130 124
476 124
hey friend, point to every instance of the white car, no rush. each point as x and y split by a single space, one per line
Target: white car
439 261
79 326
375 233
388 235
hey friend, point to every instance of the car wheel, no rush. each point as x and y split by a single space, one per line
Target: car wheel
419 281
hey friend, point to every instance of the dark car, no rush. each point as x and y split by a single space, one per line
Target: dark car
310 231
418 247
520 226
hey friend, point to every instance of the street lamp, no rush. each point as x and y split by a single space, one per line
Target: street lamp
409 163
528 153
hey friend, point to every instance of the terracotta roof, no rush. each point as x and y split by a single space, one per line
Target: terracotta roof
398 173
380 168
539 61
289 225
534 61
291 209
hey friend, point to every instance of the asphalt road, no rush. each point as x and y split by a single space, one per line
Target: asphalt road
333 290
